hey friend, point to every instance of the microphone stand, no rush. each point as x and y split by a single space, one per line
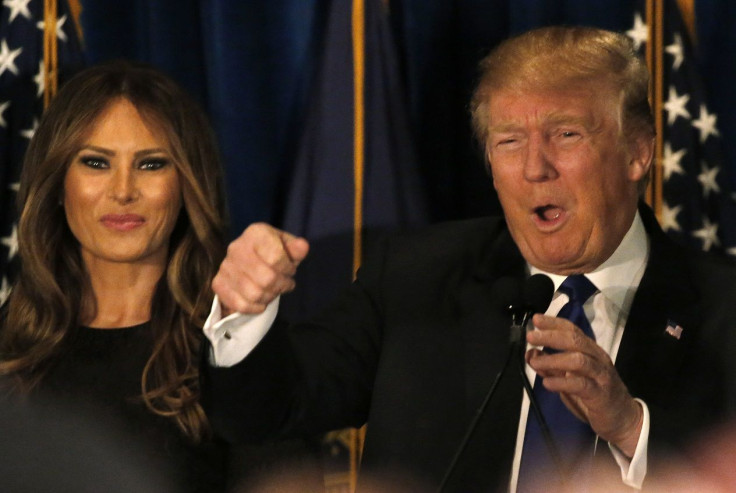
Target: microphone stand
536 286
476 419
533 403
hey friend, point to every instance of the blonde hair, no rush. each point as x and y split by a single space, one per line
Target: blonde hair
46 299
556 57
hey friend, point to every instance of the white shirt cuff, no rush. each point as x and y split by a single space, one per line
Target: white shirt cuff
235 336
634 471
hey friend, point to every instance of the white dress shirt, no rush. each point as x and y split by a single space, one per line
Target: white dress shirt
235 336
607 310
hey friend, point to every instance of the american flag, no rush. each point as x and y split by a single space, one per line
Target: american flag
698 207
21 102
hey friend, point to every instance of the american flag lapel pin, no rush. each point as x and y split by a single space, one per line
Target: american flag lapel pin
673 329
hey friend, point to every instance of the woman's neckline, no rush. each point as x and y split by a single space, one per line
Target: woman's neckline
114 329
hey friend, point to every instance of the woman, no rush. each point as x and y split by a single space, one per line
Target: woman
120 233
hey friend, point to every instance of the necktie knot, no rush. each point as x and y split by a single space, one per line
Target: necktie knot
578 288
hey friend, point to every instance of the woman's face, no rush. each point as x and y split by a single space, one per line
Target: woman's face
122 194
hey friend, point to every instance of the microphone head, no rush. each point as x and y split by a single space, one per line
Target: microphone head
506 292
537 293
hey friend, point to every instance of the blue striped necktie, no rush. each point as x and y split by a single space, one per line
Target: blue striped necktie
573 437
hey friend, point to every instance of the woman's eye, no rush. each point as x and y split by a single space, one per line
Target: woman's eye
153 164
94 162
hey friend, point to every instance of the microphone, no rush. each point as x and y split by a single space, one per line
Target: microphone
538 291
521 302
533 297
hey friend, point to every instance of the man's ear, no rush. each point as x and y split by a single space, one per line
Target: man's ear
640 158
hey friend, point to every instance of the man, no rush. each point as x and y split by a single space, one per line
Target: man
414 345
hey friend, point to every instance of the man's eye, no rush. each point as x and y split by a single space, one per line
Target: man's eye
94 162
507 142
569 133
154 164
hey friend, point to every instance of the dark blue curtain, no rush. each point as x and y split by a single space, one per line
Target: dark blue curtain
248 63
251 63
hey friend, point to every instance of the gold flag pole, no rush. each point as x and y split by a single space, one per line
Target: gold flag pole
654 56
649 55
655 62
50 59
658 48
358 34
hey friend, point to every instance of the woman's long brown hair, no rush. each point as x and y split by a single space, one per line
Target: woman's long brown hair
46 299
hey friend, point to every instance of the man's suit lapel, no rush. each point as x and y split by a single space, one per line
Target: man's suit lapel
482 320
649 351
484 325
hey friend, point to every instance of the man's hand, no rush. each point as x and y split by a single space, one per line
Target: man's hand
259 266
588 383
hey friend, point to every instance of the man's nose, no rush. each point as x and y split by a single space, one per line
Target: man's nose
539 162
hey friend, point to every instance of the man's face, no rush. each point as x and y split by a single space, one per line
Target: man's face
566 180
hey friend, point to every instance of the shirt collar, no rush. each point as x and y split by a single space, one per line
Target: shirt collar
622 271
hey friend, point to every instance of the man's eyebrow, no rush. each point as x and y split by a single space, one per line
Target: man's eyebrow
504 127
559 118
555 118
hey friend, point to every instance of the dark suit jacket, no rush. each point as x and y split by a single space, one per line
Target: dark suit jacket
415 343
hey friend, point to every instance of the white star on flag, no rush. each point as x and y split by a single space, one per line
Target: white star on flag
706 123
676 50
4 290
3 106
675 106
18 7
669 217
11 242
7 58
59 27
708 233
639 34
671 161
707 178
28 133
40 79
22 85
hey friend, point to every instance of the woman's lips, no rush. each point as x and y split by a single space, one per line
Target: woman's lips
122 222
